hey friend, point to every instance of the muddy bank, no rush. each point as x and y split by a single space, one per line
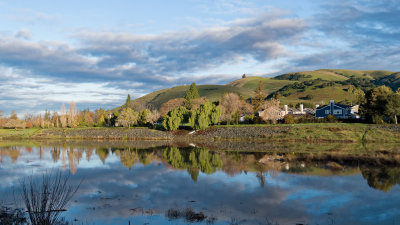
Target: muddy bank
310 133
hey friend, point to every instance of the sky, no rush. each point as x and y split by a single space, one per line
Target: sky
97 52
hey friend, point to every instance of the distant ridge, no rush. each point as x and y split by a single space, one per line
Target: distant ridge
313 87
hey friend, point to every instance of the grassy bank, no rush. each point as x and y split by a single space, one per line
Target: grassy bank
332 132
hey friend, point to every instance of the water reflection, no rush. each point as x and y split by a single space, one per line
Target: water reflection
140 182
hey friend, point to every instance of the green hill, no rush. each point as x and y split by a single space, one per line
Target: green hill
313 87
251 83
210 92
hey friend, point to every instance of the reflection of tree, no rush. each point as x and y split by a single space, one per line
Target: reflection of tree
11 152
74 155
128 157
89 153
102 153
194 161
55 154
381 178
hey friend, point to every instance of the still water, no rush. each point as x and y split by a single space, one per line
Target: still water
145 183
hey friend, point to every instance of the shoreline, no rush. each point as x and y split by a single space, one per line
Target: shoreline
308 133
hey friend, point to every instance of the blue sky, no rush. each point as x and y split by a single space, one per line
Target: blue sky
97 52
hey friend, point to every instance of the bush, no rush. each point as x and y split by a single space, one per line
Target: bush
377 119
331 119
288 119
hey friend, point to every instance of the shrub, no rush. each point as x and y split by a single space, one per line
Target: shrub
288 119
377 119
331 119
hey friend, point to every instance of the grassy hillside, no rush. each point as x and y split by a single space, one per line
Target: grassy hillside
251 83
314 87
210 92
319 96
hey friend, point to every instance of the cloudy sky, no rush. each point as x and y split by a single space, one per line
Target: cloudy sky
97 52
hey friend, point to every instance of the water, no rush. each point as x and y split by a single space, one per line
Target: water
139 182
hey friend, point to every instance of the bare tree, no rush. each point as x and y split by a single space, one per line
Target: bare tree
231 104
63 116
72 114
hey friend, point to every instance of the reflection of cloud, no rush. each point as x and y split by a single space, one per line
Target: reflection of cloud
110 190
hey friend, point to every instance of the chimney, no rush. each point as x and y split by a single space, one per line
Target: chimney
301 108
286 109
332 106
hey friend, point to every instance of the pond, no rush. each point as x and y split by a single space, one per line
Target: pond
169 183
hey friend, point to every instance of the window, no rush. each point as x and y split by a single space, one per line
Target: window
337 112
327 111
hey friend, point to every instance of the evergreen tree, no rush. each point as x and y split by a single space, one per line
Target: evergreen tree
128 99
190 94
259 97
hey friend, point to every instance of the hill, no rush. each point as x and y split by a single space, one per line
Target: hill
312 87
210 92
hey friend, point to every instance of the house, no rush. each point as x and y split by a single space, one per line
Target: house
272 113
338 110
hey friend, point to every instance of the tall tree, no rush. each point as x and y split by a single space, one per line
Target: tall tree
191 93
128 99
72 114
259 97
63 116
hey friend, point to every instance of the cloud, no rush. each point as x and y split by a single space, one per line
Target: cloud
355 35
24 34
147 62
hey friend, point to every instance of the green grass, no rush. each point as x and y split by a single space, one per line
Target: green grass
321 96
251 83
23 133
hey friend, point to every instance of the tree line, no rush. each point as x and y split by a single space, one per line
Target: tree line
377 105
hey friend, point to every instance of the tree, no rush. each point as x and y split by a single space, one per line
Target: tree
127 117
288 119
174 118
55 119
375 102
14 115
128 99
393 106
230 104
88 118
205 115
63 116
144 117
190 94
72 114
359 95
259 97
